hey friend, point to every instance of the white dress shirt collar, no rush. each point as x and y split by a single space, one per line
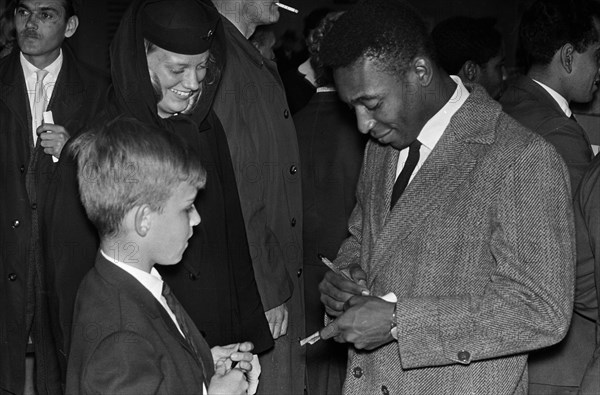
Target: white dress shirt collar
434 128
562 102
151 281
53 68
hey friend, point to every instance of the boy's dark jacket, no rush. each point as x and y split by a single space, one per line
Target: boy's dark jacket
120 330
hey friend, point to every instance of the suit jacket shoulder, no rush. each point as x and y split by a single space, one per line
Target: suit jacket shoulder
123 341
533 107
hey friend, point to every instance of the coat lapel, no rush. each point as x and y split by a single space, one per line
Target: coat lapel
448 166
146 301
13 91
68 94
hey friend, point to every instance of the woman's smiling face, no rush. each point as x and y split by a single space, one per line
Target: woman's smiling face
179 78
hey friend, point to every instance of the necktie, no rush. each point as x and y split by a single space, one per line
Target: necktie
407 170
39 101
177 309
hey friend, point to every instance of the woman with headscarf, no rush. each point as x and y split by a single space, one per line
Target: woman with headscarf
165 66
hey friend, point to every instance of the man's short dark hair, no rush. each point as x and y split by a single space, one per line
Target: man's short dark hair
549 24
462 38
390 31
70 8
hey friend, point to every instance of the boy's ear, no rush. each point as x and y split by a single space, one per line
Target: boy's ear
143 220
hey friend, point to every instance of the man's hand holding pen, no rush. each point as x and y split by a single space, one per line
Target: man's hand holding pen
336 288
362 319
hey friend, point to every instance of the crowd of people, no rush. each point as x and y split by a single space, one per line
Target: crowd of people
163 229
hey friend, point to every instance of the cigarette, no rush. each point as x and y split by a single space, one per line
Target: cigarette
287 7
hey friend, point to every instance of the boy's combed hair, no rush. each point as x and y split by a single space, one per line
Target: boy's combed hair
126 163
549 24
387 30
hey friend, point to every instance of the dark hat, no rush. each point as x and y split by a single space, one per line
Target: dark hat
181 26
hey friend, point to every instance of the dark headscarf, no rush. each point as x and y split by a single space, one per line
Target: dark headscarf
132 89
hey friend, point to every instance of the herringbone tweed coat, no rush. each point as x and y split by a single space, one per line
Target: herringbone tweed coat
479 250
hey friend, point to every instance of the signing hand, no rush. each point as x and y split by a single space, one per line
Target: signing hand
337 290
366 323
278 320
54 138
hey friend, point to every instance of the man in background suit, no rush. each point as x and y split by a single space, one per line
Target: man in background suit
478 249
561 45
472 49
37 76
587 290
331 154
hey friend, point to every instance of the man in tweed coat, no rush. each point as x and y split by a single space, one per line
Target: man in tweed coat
478 249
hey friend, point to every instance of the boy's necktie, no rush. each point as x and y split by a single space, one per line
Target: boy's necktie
177 309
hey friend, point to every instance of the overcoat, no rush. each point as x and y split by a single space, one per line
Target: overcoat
479 251
251 104
25 175
531 105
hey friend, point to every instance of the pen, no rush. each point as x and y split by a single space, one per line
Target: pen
330 265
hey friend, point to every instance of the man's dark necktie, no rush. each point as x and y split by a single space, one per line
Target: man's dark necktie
407 170
177 309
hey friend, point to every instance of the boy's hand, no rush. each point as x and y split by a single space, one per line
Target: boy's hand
236 352
253 375
227 381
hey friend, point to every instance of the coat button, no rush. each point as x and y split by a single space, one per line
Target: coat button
293 170
293 222
286 114
16 223
464 356
12 276
22 169
33 206
299 272
357 372
384 390
193 277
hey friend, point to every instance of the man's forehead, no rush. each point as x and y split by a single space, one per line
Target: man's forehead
42 4
360 80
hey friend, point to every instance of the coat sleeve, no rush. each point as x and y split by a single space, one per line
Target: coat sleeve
122 363
528 300
350 250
